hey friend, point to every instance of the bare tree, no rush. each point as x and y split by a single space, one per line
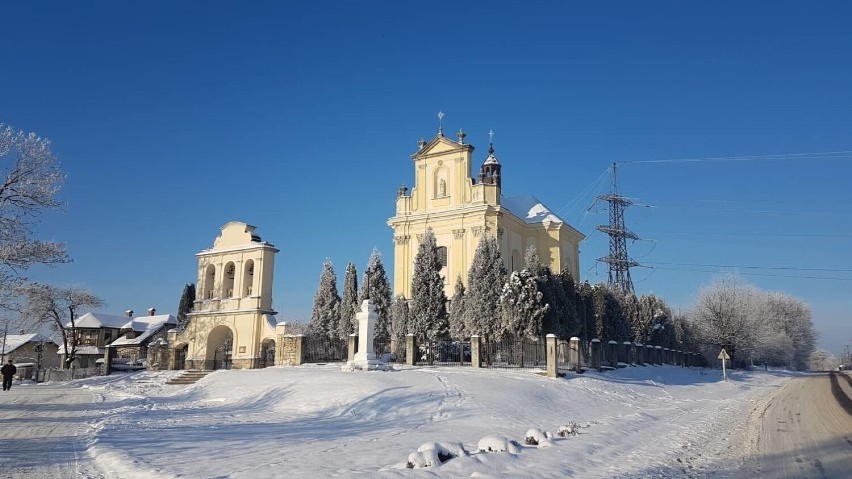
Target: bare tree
30 177
723 315
59 306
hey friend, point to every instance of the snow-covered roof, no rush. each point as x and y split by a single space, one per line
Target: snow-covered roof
87 350
99 320
491 160
529 209
144 326
15 341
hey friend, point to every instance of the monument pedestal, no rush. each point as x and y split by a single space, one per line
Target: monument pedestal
365 359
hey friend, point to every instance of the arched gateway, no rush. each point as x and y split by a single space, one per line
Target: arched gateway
232 323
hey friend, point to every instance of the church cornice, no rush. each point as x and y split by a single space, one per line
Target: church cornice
235 249
442 214
455 147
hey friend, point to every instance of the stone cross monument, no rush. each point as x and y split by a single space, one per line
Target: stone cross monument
365 359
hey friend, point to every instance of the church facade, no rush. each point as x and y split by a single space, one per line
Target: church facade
232 323
461 209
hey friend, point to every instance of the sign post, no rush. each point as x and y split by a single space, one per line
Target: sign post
723 355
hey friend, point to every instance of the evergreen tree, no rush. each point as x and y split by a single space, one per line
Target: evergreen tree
611 324
428 300
458 331
557 320
187 300
325 316
573 319
380 294
349 304
485 281
400 318
522 305
586 310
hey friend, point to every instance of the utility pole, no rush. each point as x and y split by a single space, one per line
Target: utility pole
618 261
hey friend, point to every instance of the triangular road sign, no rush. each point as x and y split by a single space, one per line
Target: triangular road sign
724 354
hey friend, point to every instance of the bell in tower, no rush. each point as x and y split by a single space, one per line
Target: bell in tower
489 173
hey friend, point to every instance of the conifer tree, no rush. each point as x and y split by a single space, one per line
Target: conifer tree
557 320
573 319
428 300
380 294
349 304
187 300
458 331
611 324
325 316
485 281
586 309
522 305
400 318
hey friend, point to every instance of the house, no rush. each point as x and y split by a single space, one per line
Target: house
30 348
131 347
91 333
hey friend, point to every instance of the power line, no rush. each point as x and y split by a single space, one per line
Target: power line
780 268
826 155
754 274
779 235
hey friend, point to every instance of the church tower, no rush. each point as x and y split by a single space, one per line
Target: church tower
232 323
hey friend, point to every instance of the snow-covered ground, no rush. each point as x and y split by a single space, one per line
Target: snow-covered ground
315 421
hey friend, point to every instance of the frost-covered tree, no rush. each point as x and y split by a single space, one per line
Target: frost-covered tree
400 318
428 300
822 360
485 280
349 304
30 178
325 316
724 316
376 282
58 306
187 300
586 311
458 331
651 321
610 321
571 319
522 306
557 320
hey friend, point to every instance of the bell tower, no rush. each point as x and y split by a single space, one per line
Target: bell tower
489 173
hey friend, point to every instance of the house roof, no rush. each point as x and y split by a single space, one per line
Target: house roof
15 341
144 326
99 320
528 209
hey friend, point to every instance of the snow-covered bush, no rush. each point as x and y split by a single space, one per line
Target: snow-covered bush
434 454
537 437
569 429
497 444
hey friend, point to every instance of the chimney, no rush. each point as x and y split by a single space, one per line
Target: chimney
151 311
129 313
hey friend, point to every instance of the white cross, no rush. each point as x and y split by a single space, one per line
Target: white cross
491 136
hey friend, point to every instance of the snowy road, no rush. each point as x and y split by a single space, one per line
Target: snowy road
43 431
806 431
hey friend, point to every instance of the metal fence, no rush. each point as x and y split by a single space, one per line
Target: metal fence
389 351
443 353
515 353
320 348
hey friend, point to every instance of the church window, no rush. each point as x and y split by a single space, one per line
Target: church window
209 281
228 284
442 256
248 278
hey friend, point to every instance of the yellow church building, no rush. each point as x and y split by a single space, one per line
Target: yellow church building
461 209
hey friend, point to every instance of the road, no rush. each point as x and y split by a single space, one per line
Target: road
806 430
43 431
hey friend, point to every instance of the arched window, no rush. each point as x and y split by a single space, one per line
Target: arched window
209 281
228 283
248 278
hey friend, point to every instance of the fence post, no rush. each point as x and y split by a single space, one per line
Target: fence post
409 350
575 358
625 348
352 347
640 353
107 360
299 349
658 355
475 360
596 354
612 353
551 355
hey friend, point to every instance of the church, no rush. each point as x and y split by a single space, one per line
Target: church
460 209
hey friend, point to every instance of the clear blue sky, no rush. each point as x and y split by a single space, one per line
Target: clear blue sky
173 118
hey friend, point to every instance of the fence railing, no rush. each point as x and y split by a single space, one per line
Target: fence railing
443 353
515 353
323 349
389 351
